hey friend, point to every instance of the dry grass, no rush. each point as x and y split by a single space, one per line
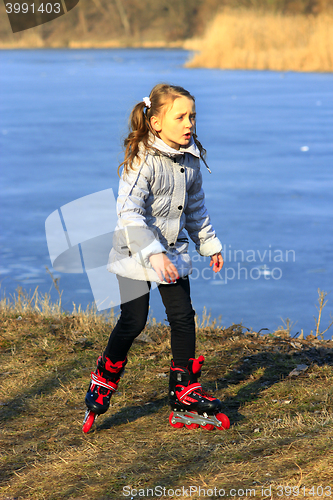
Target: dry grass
251 40
281 426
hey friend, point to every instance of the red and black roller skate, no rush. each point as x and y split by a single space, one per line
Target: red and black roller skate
191 405
104 382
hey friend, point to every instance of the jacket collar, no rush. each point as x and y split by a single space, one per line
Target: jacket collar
157 143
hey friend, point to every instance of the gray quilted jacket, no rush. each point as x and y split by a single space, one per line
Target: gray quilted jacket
157 201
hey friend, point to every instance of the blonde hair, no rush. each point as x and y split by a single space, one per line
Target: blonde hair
139 122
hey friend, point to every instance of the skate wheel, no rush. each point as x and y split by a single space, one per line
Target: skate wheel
224 420
88 421
177 425
192 426
208 427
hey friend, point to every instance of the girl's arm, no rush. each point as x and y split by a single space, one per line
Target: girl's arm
198 224
139 238
217 262
164 268
133 231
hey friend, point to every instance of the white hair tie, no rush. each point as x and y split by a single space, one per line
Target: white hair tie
147 102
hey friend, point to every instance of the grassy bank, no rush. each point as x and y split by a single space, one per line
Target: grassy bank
244 39
281 420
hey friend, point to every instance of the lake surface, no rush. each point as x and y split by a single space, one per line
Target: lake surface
269 141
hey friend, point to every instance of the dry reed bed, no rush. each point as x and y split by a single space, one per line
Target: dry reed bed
250 40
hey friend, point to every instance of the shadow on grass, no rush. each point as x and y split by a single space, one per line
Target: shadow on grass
23 401
132 413
24 404
276 366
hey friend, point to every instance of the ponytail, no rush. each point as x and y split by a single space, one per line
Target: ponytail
202 150
140 127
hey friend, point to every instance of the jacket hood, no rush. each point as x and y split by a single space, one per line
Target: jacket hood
157 143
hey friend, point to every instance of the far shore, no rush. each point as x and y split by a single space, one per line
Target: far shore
234 39
91 44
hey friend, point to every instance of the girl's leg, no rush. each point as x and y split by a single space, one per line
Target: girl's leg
177 301
111 364
190 404
132 320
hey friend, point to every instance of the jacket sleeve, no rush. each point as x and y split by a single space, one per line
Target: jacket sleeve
133 231
198 224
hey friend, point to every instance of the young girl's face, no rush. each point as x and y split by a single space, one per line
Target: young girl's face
176 123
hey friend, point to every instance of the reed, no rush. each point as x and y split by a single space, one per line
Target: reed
246 39
23 304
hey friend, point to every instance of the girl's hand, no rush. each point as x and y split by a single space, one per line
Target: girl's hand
166 271
216 261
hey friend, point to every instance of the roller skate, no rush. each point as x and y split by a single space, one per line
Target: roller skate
104 382
191 405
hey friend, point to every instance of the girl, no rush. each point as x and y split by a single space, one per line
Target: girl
160 196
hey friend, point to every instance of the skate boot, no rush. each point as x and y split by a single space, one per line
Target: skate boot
104 382
191 405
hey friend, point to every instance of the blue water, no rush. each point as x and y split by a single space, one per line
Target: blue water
269 142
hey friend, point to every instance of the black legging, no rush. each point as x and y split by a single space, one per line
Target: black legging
177 302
